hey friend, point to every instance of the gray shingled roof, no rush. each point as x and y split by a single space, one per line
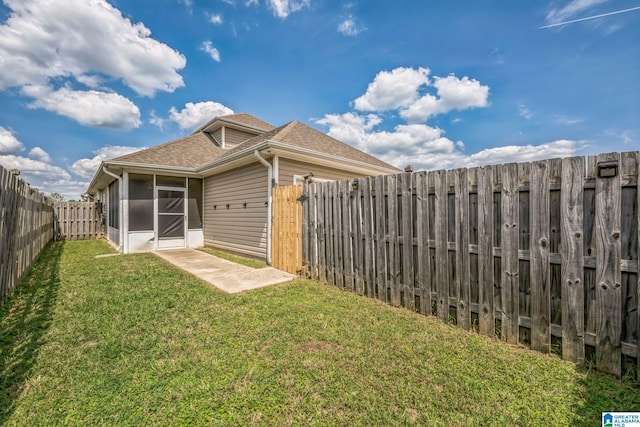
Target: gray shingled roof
298 134
198 149
190 152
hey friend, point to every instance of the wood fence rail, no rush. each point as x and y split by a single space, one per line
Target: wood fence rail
78 220
26 226
543 254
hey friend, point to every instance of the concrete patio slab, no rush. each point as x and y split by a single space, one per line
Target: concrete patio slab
225 275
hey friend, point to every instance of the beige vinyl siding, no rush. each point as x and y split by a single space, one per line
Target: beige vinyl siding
233 137
288 168
237 228
217 136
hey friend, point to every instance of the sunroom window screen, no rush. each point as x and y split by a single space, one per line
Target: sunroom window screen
140 202
195 203
114 205
170 181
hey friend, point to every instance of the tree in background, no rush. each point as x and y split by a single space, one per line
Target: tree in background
56 197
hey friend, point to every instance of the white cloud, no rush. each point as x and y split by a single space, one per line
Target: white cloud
215 19
349 27
571 9
30 168
426 147
283 8
393 89
423 146
523 153
156 120
208 48
251 3
38 153
197 114
417 144
89 108
453 94
525 112
568 121
44 40
70 189
87 168
8 142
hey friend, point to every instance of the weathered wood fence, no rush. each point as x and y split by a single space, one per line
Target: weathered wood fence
26 225
78 220
286 234
543 254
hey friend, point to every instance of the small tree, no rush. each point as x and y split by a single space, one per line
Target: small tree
56 197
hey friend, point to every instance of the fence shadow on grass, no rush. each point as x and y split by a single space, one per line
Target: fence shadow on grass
24 321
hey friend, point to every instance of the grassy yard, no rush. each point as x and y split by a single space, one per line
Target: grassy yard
130 340
253 263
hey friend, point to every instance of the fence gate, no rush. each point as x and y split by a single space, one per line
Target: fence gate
78 220
286 237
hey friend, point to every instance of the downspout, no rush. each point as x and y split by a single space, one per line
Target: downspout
269 190
120 207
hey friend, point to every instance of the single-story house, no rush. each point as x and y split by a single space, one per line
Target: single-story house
214 186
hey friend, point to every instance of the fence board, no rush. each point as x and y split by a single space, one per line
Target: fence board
608 275
572 260
510 264
407 242
539 263
381 245
463 276
486 316
422 230
442 279
367 231
330 232
394 247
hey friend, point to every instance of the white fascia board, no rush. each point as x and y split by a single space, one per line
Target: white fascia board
297 153
142 168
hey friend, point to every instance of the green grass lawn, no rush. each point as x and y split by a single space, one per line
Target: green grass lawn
253 263
130 340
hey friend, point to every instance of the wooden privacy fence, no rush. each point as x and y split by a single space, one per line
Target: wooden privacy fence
78 220
543 254
26 225
286 231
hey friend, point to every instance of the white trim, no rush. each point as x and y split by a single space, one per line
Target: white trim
276 169
120 228
125 211
223 136
269 200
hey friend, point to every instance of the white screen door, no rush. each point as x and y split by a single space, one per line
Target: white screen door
171 218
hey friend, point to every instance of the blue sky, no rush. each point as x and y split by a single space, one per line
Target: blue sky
435 84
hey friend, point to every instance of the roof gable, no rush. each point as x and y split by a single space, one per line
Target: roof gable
240 120
297 134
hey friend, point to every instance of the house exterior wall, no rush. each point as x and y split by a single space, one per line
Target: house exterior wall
217 135
287 168
237 228
233 137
